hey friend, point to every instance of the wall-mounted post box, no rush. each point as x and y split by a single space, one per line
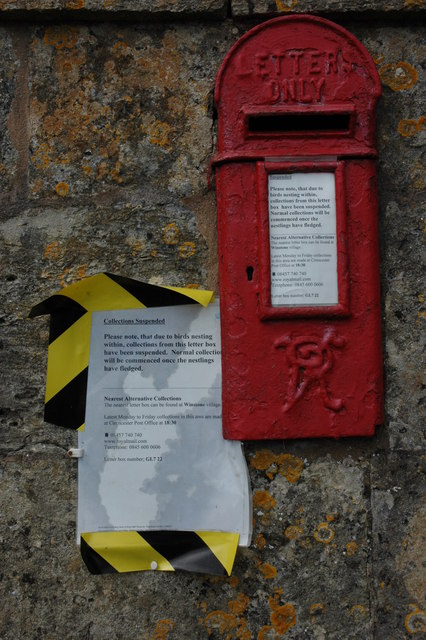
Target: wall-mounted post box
297 226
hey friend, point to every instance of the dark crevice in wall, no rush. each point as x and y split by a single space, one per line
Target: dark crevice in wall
375 18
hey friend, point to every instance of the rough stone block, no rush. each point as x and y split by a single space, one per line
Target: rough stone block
399 526
114 7
275 7
113 109
8 125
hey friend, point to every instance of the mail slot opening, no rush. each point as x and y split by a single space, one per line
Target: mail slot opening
299 123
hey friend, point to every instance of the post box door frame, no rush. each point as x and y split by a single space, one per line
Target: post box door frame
267 311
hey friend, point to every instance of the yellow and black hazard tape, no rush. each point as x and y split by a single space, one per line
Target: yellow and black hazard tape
123 551
69 340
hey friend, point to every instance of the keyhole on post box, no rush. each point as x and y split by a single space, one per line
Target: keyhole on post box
249 272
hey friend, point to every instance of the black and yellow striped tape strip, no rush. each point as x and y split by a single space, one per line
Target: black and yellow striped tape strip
69 340
123 551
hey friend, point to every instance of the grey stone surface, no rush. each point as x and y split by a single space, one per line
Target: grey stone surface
71 8
8 76
107 131
242 8
398 541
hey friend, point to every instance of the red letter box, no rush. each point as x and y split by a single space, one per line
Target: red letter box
297 225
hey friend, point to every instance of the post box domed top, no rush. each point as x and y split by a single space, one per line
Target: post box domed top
297 78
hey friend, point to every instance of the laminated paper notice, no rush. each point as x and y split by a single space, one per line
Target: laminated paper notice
302 231
154 456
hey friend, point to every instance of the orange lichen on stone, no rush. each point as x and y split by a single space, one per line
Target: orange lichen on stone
62 189
268 571
398 76
52 251
220 621
70 275
415 620
413 3
171 233
358 611
163 629
75 4
409 127
263 459
286 5
187 250
157 132
351 548
283 618
316 609
293 532
260 541
239 605
264 500
323 533
285 464
290 466
42 156
61 37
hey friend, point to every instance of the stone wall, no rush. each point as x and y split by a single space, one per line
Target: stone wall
107 128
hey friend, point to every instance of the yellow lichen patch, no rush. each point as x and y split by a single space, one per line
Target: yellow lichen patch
293 532
306 543
61 37
358 612
266 633
268 571
263 460
398 76
136 246
115 173
187 250
157 132
220 621
62 189
192 285
171 233
323 533
68 276
351 548
274 600
316 609
290 466
283 618
234 581
260 541
75 4
286 5
239 605
41 157
52 251
415 621
263 500
408 128
163 629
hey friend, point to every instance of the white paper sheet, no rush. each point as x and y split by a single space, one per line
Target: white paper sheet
154 455
302 230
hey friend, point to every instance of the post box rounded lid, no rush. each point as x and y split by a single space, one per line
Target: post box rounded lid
297 82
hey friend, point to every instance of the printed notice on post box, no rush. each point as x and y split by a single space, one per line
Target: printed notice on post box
302 231
154 456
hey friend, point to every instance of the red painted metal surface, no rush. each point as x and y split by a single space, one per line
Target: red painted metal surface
297 95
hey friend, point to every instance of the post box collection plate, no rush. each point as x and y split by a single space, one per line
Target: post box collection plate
297 233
